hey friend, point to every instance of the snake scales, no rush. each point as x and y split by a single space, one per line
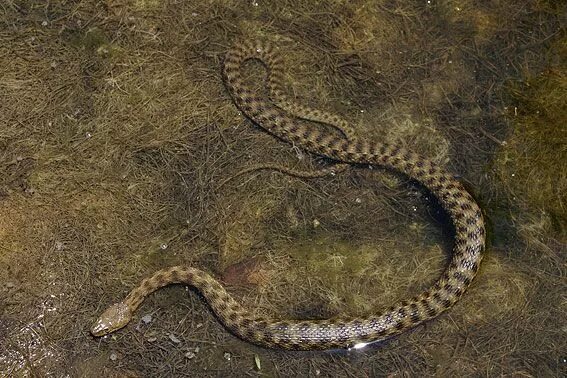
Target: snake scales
337 332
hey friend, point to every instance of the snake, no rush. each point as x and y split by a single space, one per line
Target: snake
272 113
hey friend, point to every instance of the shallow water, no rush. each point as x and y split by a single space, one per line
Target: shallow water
117 131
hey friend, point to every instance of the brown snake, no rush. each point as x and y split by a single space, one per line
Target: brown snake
337 332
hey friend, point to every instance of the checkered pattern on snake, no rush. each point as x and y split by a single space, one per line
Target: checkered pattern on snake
337 332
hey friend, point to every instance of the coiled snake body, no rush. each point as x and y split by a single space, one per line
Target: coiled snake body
337 332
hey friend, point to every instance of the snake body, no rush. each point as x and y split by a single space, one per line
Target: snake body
340 332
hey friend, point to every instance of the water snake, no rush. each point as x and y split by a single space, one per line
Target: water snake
342 332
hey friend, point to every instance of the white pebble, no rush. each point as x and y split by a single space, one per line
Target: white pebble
174 339
147 318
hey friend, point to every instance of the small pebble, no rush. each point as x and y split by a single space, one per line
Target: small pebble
113 356
190 355
152 339
10 284
147 318
174 339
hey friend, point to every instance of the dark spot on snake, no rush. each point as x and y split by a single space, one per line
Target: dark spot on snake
419 173
415 317
174 274
245 322
437 297
437 188
259 108
160 278
431 311
472 235
222 306
307 133
462 278
474 266
458 291
250 334
459 216
458 195
233 316
470 221
212 296
262 324
453 264
396 150
462 229
349 155
267 335
291 129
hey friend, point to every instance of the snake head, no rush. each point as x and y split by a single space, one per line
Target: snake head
112 319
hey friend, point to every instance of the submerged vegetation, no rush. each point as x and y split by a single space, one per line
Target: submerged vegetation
117 132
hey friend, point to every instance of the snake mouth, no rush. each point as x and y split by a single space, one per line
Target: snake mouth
100 329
